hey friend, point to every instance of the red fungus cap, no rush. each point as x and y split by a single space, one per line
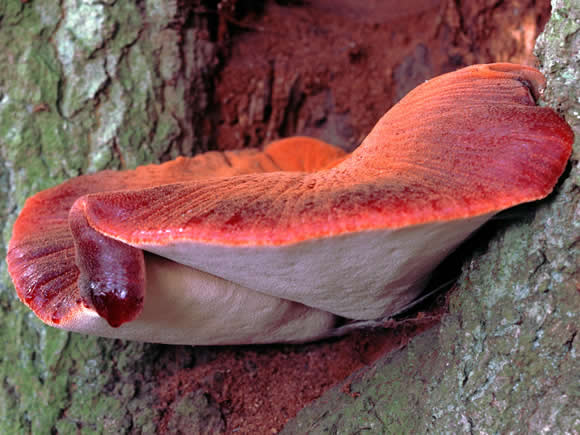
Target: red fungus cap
299 224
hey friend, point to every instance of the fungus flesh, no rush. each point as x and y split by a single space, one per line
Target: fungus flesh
275 245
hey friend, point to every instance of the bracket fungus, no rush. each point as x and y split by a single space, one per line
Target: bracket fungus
276 245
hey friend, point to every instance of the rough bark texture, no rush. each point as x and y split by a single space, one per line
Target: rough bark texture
92 84
87 85
505 358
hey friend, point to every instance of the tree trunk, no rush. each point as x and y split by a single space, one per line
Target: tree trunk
88 85
85 86
504 359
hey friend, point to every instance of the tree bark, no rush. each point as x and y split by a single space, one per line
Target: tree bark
504 359
88 85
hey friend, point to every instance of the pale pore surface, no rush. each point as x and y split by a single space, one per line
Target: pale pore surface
364 275
186 306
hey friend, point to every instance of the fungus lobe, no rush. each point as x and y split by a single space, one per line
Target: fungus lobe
263 246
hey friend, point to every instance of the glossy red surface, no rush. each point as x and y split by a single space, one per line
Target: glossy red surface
463 144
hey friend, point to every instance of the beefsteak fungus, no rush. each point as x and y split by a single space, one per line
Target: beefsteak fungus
276 245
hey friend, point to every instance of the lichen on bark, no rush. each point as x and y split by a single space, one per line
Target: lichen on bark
504 359
75 75
108 84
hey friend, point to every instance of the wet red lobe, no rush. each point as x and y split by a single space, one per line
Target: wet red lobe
112 274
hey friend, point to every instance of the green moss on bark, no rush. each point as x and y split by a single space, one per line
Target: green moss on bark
89 85
75 76
504 360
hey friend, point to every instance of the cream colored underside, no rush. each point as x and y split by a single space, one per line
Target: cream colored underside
364 275
186 306
238 295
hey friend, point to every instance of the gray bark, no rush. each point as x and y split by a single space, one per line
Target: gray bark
505 358
88 85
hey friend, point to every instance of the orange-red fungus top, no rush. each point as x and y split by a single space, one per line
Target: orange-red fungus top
463 144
